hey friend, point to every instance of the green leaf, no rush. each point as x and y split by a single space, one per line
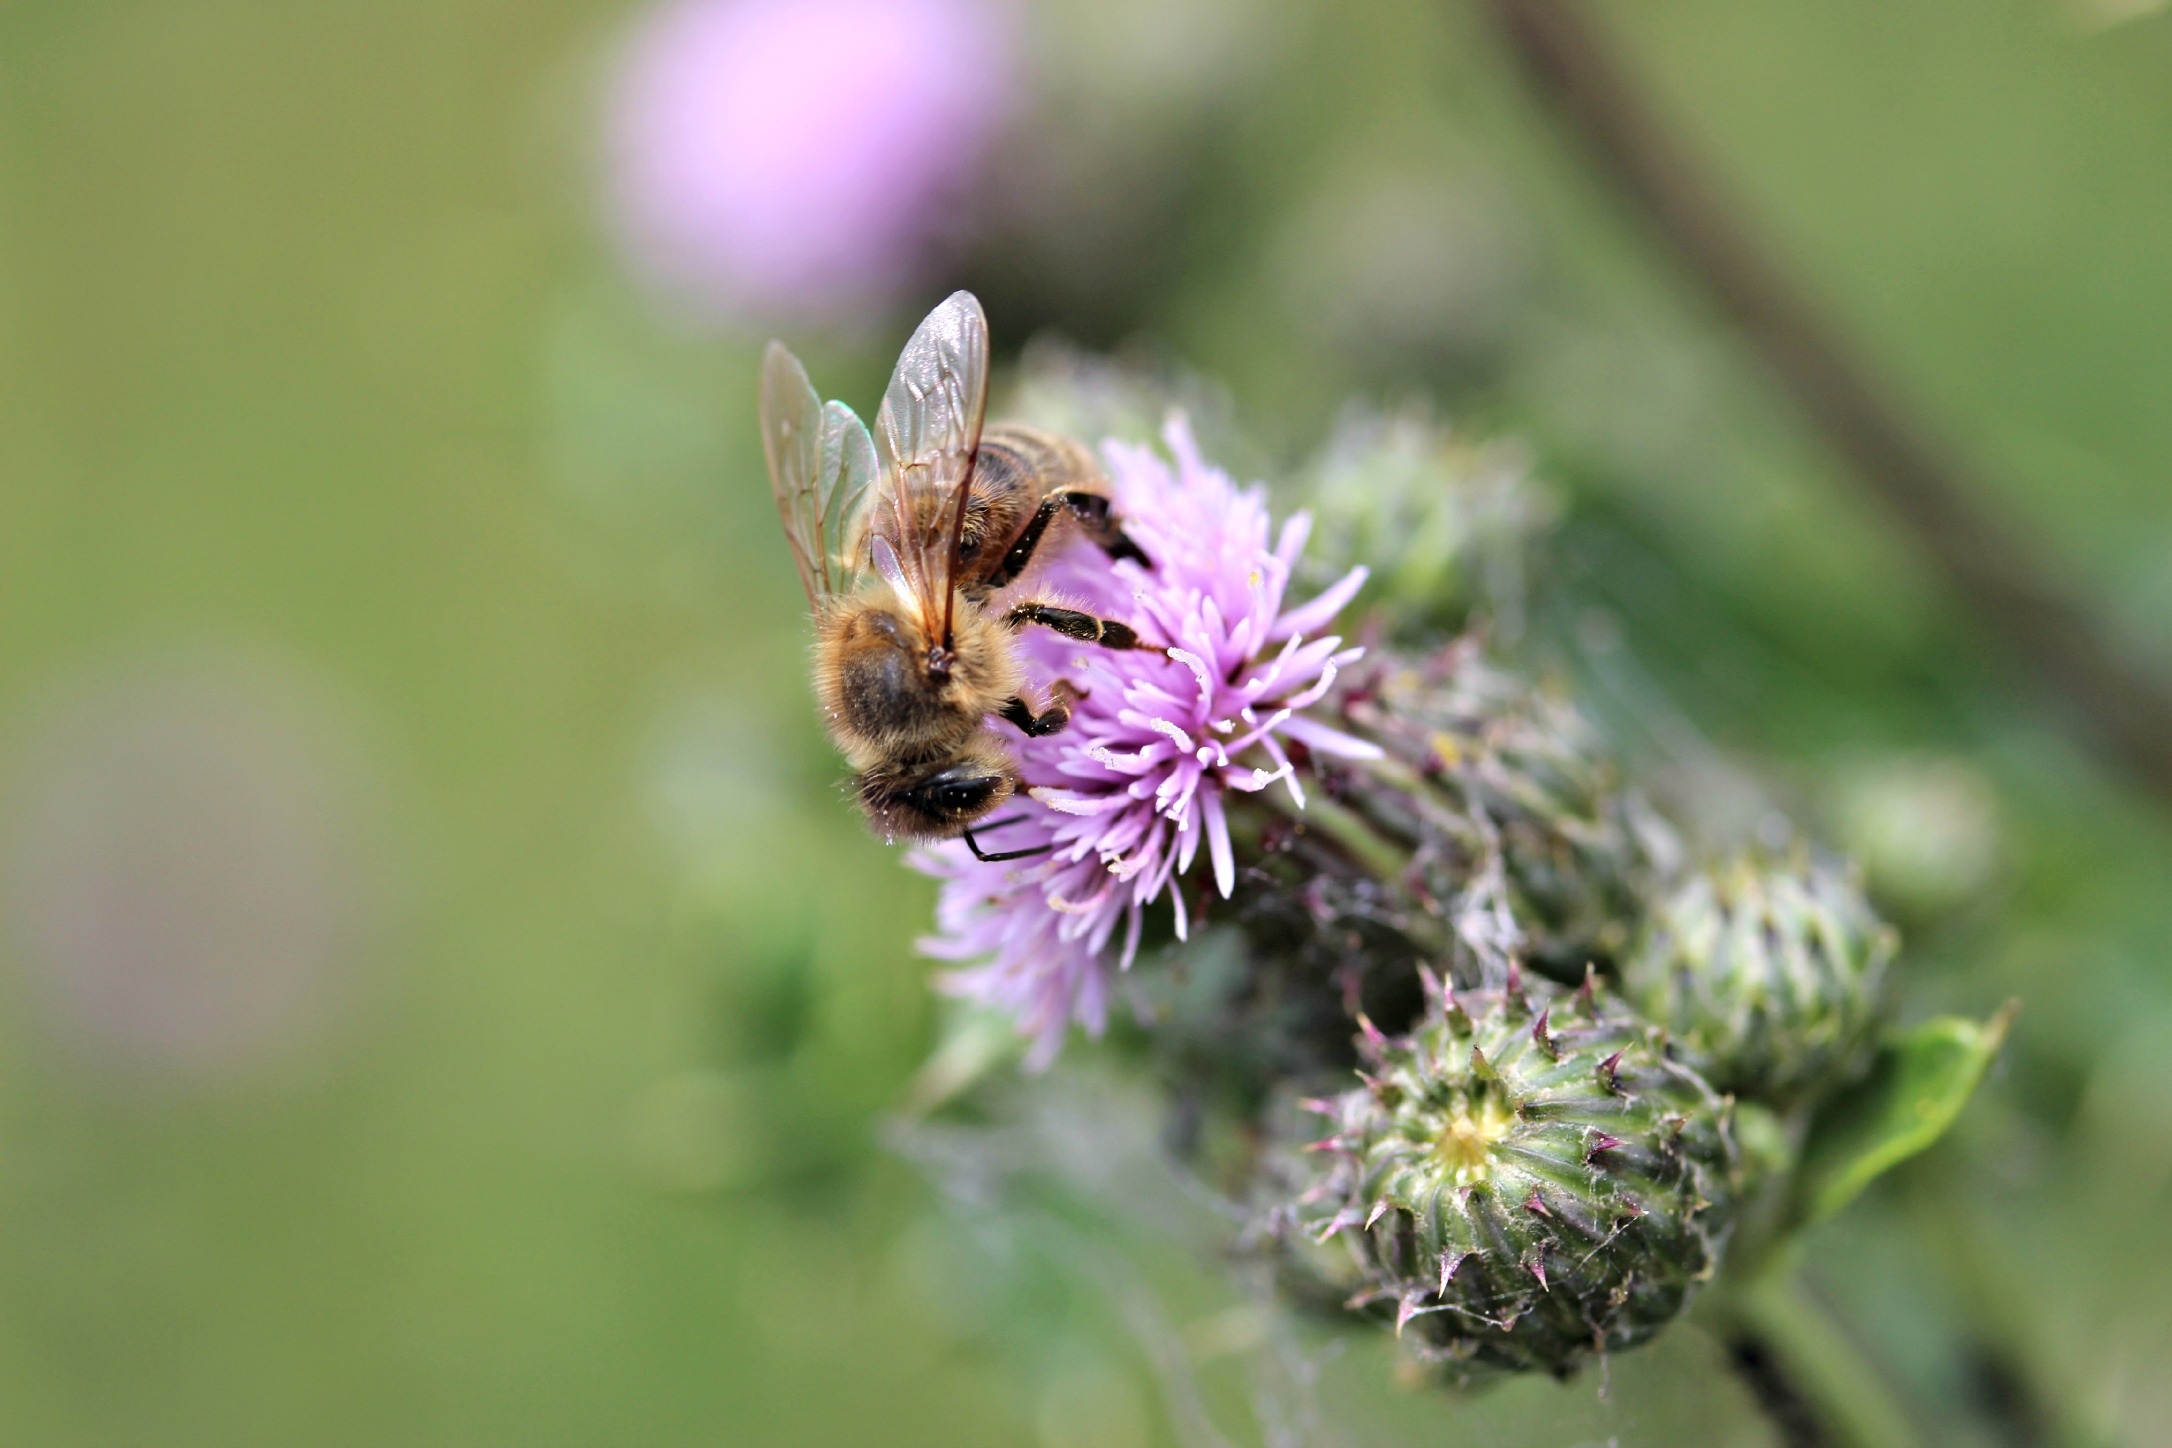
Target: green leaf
1914 1091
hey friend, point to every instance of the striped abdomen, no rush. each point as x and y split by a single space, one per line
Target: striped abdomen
1017 467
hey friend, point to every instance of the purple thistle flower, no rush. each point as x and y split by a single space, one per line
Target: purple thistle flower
1128 795
795 156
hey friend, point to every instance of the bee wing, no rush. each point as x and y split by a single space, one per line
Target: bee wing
822 470
927 433
849 454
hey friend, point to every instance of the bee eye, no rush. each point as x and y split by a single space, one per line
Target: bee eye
959 796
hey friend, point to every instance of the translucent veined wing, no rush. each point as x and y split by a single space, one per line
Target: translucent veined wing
822 468
926 434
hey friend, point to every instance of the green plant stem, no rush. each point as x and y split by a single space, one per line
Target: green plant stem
1845 1401
1377 855
2124 705
2031 1402
1356 837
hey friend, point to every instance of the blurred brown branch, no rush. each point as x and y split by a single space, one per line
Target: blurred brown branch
2124 708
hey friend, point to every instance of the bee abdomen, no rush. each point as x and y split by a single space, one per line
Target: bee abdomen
1014 457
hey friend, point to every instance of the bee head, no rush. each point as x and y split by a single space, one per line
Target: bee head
939 799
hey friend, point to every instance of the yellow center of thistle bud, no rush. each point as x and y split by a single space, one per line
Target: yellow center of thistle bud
1465 1147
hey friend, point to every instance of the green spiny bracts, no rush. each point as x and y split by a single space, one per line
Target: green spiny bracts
1512 775
1771 973
1525 1180
1445 527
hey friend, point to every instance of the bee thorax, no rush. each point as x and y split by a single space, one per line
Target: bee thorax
893 696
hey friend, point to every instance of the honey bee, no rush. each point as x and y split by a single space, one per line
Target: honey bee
902 540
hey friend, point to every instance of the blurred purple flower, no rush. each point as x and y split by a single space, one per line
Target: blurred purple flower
190 873
1128 794
793 156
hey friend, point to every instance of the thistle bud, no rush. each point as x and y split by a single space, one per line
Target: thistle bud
1508 788
1525 1180
1445 526
1771 974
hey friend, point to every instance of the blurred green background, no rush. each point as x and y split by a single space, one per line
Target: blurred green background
446 999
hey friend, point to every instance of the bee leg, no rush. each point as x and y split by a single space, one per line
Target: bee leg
1092 512
1029 538
1072 624
1119 545
1036 726
988 857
